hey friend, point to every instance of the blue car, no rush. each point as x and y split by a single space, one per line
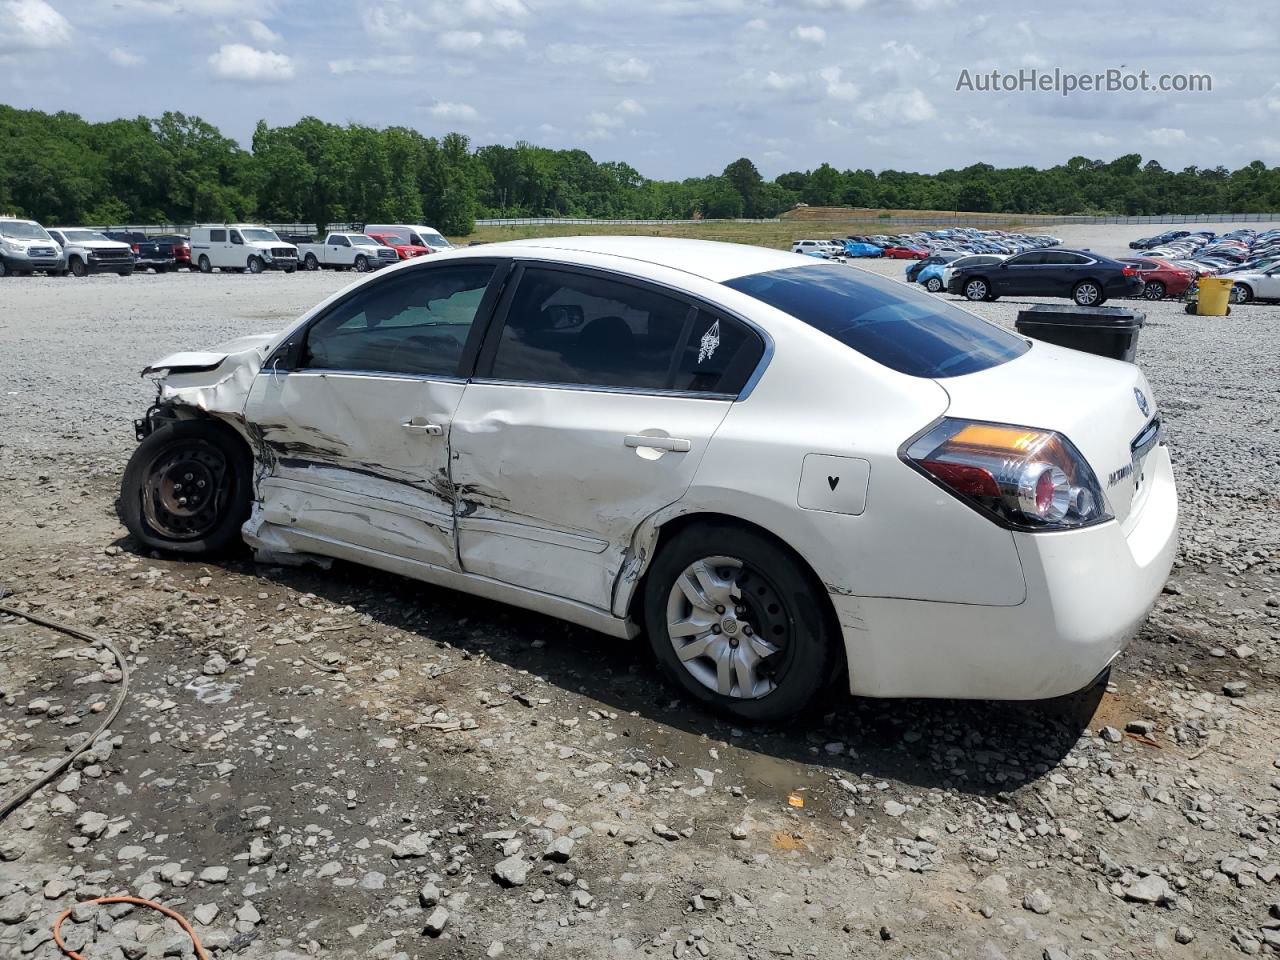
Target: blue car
930 277
852 249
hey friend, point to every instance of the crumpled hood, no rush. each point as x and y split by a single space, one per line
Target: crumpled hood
216 380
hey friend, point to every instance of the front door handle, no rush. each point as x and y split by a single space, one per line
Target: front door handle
674 444
419 426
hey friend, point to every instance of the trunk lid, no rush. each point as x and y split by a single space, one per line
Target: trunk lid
1094 402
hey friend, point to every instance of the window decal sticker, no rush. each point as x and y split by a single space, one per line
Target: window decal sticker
710 341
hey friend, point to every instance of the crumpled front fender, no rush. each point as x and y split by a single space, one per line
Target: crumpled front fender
215 381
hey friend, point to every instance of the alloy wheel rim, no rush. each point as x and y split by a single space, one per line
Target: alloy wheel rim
185 492
976 290
729 627
1088 293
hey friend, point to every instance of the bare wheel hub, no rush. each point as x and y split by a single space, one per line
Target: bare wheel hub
185 491
729 627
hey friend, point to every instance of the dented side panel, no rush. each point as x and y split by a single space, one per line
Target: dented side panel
550 493
348 457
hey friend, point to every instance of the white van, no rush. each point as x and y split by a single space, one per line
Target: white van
414 234
25 247
239 247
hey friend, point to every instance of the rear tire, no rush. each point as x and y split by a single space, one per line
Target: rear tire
1241 293
1154 290
311 263
205 266
197 521
776 642
1087 293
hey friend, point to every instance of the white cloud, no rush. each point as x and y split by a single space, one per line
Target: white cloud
810 34
507 39
902 106
32 25
781 82
239 61
447 110
632 108
1167 136
756 24
601 119
630 70
123 58
461 40
399 64
496 10
261 33
838 88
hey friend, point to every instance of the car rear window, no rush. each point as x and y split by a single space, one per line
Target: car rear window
908 332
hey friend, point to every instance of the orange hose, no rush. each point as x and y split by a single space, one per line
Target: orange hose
137 901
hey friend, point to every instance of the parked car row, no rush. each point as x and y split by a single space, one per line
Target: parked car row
1249 258
26 247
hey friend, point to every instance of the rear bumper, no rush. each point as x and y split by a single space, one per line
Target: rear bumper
1088 592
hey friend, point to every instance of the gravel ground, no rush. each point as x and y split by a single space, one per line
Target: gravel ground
346 764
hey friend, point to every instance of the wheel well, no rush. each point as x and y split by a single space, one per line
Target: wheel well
668 530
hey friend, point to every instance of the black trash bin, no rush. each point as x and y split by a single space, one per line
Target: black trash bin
1107 331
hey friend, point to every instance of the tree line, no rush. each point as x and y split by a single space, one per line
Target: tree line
61 169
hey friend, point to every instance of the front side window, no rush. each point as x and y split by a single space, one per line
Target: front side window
586 330
414 323
886 321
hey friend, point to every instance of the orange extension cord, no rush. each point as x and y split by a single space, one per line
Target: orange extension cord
136 901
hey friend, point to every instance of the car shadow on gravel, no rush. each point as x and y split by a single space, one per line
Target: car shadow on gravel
973 747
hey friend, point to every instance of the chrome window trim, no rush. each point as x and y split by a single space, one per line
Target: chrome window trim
594 388
365 374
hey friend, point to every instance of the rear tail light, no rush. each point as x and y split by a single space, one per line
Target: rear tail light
1129 272
1019 476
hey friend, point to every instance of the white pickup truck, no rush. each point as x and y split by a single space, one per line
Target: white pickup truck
347 251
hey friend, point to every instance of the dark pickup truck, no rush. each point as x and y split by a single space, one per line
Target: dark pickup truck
157 254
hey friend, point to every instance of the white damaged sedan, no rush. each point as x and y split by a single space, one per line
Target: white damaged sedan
787 474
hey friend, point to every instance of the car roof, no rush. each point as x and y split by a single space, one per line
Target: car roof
709 259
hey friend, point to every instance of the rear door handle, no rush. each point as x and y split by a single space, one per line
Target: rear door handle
674 444
430 429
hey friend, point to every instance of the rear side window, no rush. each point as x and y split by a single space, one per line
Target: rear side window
217 236
886 321
592 331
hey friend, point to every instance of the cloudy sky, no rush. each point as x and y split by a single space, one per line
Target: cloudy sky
675 87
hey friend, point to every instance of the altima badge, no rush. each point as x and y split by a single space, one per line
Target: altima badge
1142 402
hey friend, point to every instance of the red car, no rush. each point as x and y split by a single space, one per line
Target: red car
894 252
405 251
1161 278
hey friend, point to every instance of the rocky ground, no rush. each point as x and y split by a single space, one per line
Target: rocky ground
346 764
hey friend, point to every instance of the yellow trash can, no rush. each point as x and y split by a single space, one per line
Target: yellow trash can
1214 294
